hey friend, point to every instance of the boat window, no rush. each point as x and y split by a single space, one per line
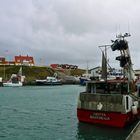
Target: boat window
88 88
127 103
124 88
115 88
107 88
118 88
102 88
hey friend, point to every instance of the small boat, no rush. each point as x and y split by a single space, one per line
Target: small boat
113 102
85 77
12 84
48 81
16 80
84 80
1 81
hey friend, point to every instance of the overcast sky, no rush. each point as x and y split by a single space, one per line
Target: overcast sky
68 31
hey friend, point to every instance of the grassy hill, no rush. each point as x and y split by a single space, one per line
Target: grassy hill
36 72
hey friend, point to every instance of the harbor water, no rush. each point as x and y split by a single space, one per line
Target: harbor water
48 113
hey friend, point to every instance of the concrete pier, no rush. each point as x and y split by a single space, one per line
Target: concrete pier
135 133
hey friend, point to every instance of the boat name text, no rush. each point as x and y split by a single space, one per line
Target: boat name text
99 116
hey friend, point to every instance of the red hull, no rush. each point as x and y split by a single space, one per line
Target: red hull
106 118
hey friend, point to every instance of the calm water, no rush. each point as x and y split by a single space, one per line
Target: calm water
48 113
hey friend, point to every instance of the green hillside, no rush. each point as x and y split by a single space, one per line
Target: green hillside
36 72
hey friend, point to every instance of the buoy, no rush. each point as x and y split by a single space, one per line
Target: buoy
134 109
136 103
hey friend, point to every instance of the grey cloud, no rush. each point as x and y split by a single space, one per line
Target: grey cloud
67 31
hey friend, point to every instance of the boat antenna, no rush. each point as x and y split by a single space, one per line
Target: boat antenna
120 36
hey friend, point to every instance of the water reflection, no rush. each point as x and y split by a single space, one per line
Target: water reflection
98 132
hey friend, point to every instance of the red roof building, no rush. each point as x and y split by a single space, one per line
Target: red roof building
24 60
54 66
63 66
2 60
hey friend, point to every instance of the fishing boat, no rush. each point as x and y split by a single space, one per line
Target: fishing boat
16 80
48 81
84 80
113 102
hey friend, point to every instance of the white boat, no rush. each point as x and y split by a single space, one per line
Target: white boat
16 80
49 81
0 81
11 84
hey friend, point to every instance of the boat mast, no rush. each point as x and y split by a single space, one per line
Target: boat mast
104 61
4 72
125 59
87 73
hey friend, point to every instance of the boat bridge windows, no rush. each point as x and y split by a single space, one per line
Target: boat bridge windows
107 88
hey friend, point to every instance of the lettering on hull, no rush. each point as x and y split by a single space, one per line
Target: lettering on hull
99 116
